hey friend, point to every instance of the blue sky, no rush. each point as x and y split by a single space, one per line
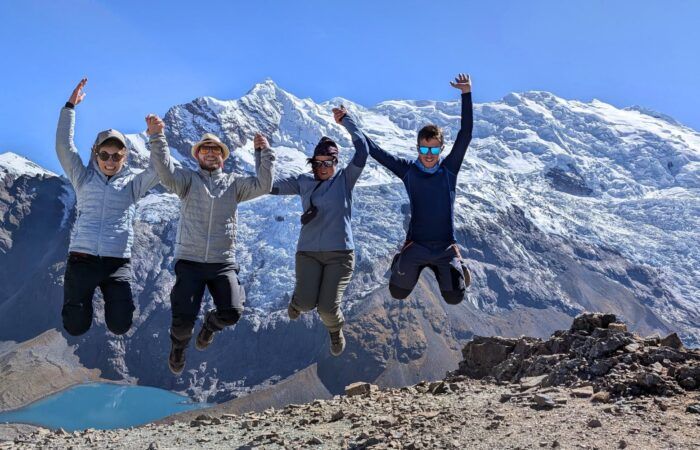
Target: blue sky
144 57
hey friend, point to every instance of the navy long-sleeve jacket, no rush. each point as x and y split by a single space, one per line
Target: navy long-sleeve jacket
432 195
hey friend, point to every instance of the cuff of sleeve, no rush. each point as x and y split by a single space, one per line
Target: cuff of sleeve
69 105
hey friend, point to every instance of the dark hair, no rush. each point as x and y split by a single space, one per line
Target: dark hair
430 132
324 146
111 142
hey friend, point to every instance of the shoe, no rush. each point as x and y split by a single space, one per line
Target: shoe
176 361
292 312
204 338
337 342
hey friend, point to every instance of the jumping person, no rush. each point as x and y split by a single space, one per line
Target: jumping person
100 244
325 257
206 234
431 182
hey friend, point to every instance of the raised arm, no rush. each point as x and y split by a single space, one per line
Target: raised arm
65 147
175 179
398 166
354 169
144 182
247 188
453 161
286 186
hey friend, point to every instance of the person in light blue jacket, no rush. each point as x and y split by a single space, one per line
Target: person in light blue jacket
325 257
100 245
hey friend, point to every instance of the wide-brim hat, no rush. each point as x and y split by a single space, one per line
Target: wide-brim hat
209 138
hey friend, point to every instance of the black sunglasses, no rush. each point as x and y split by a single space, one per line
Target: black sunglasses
329 163
116 157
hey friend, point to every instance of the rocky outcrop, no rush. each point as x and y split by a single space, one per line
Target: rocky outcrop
597 352
39 367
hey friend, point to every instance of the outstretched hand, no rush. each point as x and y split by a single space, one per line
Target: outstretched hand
463 82
260 142
339 113
78 95
155 124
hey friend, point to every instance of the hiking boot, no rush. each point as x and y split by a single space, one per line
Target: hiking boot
292 312
204 338
337 342
176 361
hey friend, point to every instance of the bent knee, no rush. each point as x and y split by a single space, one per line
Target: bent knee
399 292
453 297
76 327
229 316
119 327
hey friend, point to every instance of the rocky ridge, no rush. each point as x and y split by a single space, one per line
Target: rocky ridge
470 408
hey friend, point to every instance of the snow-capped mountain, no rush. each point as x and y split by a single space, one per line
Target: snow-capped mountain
562 206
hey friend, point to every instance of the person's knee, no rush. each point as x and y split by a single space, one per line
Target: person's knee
76 327
303 304
229 316
76 321
453 297
119 325
399 292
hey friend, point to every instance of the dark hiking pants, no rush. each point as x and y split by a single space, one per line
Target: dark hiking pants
186 297
84 273
442 258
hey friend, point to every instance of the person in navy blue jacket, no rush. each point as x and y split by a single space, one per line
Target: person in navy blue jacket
431 183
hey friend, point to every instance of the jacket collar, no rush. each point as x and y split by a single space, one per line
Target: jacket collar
210 173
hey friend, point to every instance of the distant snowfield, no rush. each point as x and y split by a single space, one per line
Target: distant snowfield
17 165
627 179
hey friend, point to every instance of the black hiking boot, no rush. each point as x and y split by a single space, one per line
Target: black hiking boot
204 338
292 312
176 361
337 342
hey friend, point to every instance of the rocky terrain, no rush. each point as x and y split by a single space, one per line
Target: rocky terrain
38 368
491 401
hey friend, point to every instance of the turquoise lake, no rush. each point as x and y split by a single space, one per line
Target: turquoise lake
101 406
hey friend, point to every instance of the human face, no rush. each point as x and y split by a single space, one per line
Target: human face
429 160
322 172
110 167
210 157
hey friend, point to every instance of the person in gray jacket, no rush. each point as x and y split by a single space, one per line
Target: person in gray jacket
206 234
325 257
100 245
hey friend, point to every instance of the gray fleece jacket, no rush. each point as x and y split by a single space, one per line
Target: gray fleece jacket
206 232
105 207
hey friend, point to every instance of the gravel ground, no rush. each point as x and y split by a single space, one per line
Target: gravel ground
457 414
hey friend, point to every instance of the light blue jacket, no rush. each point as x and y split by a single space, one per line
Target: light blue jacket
105 207
330 230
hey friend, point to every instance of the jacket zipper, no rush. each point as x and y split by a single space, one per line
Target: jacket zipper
211 212
102 217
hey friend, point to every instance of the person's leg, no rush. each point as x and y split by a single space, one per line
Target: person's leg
337 272
83 273
309 272
405 270
228 295
450 276
185 300
116 290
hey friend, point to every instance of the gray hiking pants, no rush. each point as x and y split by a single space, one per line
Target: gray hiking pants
321 279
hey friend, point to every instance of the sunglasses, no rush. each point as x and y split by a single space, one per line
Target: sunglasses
316 163
432 150
215 149
116 157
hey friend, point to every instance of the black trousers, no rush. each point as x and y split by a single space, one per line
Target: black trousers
84 273
186 297
442 258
